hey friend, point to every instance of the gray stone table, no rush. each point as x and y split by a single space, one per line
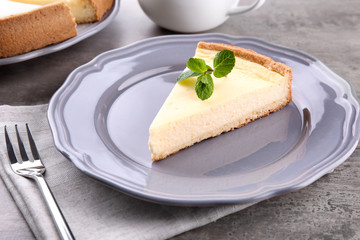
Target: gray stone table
326 29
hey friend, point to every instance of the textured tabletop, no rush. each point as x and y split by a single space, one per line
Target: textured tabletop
327 29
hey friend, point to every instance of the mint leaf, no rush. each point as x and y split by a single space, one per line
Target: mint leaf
197 65
187 74
204 86
224 62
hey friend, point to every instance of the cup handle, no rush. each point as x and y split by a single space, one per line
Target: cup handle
243 9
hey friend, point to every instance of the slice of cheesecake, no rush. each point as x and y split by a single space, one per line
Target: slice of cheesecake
25 27
84 11
256 87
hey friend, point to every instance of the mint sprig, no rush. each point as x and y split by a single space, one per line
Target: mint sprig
224 62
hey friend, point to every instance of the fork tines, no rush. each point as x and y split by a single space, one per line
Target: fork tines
24 156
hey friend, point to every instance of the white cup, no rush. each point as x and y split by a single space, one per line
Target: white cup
189 16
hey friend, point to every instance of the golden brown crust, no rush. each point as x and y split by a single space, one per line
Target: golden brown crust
38 28
255 57
100 7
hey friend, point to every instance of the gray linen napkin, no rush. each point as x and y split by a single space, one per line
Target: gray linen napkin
93 210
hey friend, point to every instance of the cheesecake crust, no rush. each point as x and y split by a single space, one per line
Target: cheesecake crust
38 28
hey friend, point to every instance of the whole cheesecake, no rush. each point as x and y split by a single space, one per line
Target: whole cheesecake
25 27
256 87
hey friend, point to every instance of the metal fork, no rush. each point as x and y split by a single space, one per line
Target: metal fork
34 169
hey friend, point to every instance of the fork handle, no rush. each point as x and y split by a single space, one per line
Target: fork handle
61 224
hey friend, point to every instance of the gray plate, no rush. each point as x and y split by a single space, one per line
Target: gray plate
84 31
101 115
